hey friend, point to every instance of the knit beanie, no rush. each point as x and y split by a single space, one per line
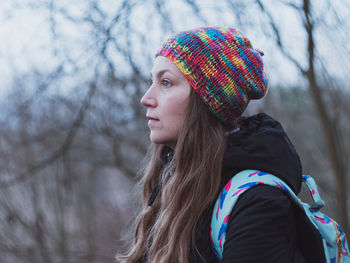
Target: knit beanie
221 66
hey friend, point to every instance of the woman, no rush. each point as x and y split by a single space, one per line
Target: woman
203 79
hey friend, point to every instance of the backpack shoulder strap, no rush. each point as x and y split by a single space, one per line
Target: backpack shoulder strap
333 238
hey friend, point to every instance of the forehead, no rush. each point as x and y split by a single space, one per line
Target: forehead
162 64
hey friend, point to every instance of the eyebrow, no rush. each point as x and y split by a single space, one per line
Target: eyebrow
162 72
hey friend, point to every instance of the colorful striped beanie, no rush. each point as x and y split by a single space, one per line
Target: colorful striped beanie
221 66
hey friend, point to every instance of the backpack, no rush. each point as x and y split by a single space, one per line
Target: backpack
334 242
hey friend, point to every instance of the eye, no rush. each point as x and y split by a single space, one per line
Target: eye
166 83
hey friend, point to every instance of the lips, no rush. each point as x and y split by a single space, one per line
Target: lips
151 118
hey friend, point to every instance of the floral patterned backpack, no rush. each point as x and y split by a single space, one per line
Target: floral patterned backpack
334 242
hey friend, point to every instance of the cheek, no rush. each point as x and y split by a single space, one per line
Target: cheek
176 111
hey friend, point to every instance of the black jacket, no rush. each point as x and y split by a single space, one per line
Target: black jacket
262 225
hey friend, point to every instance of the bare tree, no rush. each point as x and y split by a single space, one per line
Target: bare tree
72 133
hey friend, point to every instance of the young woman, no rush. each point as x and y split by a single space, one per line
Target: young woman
203 79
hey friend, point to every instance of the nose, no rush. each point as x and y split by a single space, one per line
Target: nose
148 99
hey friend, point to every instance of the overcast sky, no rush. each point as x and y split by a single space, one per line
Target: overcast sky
27 40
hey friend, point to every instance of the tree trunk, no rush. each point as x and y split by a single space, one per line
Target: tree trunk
330 130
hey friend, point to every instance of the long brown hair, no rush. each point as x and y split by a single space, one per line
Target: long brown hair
189 184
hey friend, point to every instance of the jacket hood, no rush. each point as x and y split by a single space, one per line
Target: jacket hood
260 143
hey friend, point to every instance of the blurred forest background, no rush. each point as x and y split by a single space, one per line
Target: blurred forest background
73 134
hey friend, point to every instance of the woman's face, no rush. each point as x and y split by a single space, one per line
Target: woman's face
166 101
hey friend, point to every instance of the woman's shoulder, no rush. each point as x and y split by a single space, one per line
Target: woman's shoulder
261 201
